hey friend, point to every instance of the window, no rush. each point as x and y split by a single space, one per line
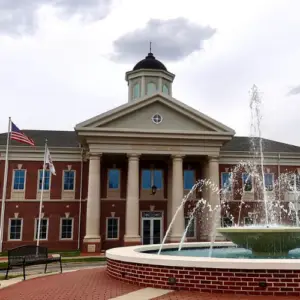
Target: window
227 222
188 179
151 88
269 181
112 228
226 181
247 182
191 232
113 179
43 230
152 177
248 221
165 89
46 180
19 180
157 119
66 229
136 91
15 229
294 179
69 180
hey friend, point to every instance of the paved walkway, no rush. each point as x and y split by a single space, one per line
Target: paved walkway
94 284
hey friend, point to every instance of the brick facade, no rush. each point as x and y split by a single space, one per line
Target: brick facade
237 281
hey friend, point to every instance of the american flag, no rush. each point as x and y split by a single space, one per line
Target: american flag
17 135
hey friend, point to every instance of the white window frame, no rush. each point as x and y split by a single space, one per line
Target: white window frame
106 231
194 225
9 229
110 189
13 180
36 229
273 181
222 182
243 185
60 229
38 180
63 181
152 178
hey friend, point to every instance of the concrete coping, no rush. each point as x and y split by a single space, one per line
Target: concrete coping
134 254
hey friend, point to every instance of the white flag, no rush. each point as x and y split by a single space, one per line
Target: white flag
48 160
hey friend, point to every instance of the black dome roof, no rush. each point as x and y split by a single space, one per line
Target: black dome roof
150 62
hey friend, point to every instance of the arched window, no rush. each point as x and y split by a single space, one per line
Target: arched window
165 89
151 88
136 91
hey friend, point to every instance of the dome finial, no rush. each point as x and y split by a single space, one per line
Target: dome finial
150 47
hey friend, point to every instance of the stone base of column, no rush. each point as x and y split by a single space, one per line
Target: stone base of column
132 240
91 245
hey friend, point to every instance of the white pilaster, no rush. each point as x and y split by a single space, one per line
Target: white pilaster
92 232
177 196
169 207
214 196
132 201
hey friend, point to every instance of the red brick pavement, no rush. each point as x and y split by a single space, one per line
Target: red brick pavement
95 284
89 284
200 296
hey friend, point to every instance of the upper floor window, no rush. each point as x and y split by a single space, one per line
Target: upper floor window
69 180
152 177
294 182
66 228
191 232
15 229
46 180
43 229
165 89
151 88
136 91
269 181
188 179
226 181
247 182
112 228
19 179
113 179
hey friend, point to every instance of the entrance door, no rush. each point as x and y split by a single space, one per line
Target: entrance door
151 228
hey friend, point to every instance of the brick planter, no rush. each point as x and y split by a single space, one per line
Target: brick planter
211 280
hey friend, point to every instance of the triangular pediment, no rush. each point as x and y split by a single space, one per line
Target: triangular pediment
139 115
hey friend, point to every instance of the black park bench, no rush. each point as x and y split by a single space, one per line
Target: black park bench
29 255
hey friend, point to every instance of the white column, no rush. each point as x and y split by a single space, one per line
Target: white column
214 196
132 201
169 207
92 232
177 196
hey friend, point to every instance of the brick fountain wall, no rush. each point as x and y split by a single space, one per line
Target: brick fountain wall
237 281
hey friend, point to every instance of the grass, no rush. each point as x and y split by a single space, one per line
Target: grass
68 260
73 253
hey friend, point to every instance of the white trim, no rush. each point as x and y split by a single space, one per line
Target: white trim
157 114
38 180
63 181
152 178
194 227
119 183
60 229
35 229
9 227
13 181
106 229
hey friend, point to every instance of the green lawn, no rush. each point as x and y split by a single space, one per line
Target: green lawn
68 260
62 253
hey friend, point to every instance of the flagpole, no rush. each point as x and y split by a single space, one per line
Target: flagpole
41 199
4 186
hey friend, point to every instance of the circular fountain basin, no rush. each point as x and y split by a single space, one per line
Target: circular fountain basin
264 241
254 276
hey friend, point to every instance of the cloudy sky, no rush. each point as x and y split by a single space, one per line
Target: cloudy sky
65 62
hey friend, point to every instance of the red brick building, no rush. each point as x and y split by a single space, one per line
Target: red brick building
121 175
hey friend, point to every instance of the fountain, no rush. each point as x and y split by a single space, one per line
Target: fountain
260 259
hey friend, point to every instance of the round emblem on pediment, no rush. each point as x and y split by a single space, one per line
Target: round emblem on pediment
157 118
